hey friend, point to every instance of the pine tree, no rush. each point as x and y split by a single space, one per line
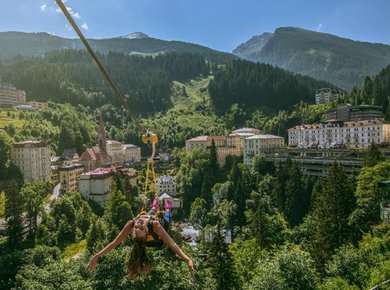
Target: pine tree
332 208
221 262
13 213
373 156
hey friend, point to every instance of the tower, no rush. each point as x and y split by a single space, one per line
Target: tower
101 137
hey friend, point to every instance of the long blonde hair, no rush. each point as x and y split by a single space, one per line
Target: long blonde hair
139 263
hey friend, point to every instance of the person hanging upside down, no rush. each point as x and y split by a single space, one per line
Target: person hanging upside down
147 230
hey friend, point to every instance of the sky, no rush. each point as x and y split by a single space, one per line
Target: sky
218 24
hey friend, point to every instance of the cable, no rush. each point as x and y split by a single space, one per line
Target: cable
97 61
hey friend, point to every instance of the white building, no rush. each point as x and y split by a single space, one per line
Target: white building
96 185
10 96
229 145
353 134
114 150
259 143
131 153
327 95
33 160
69 175
166 184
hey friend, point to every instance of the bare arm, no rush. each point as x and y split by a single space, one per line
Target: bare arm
119 239
160 231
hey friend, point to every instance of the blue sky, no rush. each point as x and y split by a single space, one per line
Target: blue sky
219 24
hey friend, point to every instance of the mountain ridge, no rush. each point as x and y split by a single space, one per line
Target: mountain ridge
324 56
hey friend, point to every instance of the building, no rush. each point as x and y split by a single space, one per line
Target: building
346 112
55 162
166 184
176 202
96 156
131 153
37 105
70 176
353 134
260 143
10 96
229 145
33 160
327 95
96 185
115 151
70 155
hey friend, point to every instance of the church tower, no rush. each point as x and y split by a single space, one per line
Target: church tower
101 137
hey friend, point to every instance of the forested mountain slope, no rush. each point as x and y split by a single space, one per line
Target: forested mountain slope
341 61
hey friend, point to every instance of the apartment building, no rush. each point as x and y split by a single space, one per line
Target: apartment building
114 150
352 134
131 153
10 96
96 185
70 176
166 184
33 160
228 145
327 95
260 143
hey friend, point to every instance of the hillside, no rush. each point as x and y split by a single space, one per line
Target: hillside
341 61
14 44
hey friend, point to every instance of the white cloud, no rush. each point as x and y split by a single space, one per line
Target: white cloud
74 14
68 27
84 26
43 7
319 27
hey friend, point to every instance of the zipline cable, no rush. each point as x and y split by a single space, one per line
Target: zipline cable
98 62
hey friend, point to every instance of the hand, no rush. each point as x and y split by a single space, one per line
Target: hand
191 268
92 263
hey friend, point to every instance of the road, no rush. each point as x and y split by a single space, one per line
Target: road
55 194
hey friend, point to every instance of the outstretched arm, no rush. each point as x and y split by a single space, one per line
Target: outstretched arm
159 230
119 239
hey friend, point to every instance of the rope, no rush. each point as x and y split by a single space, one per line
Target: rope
97 61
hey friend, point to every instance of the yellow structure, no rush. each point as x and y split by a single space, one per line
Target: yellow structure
70 176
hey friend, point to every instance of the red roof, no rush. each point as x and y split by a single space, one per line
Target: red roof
94 153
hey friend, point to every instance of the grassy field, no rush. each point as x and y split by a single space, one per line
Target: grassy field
191 94
73 250
12 118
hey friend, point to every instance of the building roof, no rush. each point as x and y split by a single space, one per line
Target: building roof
165 196
70 167
165 178
94 153
130 146
99 173
199 138
68 154
241 134
257 137
245 130
216 138
113 142
30 144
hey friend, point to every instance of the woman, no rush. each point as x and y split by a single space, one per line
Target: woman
145 231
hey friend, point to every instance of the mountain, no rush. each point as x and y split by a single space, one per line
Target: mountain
14 44
135 35
341 61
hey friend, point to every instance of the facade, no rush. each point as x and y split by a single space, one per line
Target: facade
166 184
346 112
33 160
10 96
131 153
96 185
70 176
260 143
353 134
229 145
327 95
114 150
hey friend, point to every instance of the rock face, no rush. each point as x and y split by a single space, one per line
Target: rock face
327 57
